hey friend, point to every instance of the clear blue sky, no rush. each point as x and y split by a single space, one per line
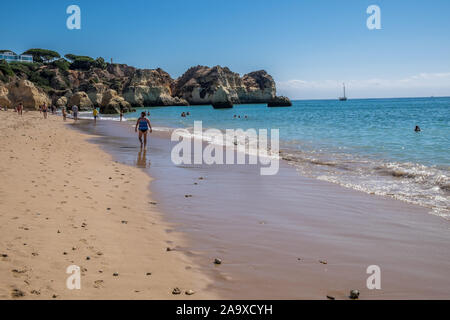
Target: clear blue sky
310 47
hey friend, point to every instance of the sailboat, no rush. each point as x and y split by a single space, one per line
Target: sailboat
344 98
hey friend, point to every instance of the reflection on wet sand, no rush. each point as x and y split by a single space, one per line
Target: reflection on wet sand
141 161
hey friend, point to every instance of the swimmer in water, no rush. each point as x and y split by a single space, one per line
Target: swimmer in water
417 129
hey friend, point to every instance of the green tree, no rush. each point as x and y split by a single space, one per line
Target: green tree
4 51
82 63
43 55
100 63
61 64
5 71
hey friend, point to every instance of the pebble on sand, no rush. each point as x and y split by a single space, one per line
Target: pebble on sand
354 294
217 261
189 292
115 274
323 261
331 297
176 291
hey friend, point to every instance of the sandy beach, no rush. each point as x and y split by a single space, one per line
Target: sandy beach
63 202
89 197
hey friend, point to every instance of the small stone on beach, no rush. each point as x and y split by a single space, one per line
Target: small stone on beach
354 294
331 298
115 274
217 261
189 292
323 261
176 291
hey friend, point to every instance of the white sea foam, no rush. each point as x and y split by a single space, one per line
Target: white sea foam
414 183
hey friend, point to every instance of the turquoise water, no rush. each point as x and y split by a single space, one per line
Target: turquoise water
368 144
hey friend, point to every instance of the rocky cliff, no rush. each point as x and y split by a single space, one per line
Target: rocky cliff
112 87
204 85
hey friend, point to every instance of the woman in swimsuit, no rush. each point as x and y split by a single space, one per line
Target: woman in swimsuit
45 110
144 126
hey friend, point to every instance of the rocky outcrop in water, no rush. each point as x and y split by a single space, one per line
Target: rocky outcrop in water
217 85
115 87
280 102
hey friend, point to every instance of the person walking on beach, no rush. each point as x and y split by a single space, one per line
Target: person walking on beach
75 112
64 114
44 110
20 109
144 126
95 114
121 114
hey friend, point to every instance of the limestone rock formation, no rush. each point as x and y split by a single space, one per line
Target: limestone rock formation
26 92
112 103
61 102
204 85
90 87
151 88
81 99
259 88
280 102
4 99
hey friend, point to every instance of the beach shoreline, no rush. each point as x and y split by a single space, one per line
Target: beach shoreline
273 232
280 237
63 202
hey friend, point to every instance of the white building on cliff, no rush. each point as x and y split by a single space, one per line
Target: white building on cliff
10 56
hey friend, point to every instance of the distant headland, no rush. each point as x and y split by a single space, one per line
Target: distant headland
93 83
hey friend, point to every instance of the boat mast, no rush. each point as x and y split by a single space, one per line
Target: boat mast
344 90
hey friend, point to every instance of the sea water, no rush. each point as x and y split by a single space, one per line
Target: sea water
368 144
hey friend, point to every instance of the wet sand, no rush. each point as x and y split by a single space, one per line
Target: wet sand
63 202
271 232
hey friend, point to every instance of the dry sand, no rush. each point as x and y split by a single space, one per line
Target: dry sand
63 202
